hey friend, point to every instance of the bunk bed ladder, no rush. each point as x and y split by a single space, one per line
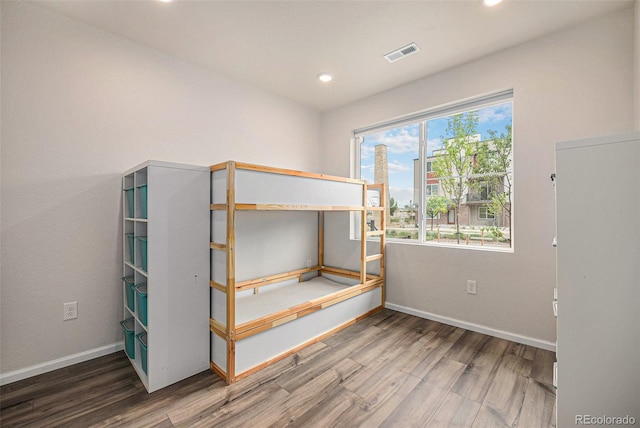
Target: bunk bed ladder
364 234
231 271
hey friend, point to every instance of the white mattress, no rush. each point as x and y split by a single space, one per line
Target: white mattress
268 301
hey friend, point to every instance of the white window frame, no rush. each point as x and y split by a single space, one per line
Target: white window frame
420 118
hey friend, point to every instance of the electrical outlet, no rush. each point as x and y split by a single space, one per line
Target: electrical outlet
309 263
70 311
471 287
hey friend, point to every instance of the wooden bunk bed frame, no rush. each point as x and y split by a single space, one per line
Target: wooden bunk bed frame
227 332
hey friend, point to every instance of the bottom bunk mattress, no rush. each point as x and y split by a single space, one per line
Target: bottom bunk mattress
260 350
285 295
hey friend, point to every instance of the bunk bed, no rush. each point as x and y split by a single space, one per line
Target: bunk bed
271 292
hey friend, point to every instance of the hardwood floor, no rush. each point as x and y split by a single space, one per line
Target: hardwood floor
389 370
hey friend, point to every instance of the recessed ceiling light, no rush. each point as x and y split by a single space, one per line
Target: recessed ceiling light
325 77
166 1
490 3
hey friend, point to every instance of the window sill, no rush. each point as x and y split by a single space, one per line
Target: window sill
444 245
451 246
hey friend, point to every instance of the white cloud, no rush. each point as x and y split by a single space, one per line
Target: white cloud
396 166
434 144
494 113
366 172
366 151
404 141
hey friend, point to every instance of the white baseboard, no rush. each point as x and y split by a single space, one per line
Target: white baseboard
70 360
537 343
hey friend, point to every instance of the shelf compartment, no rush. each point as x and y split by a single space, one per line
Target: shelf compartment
141 303
141 179
142 343
142 195
142 242
141 245
130 247
129 202
128 328
129 291
141 360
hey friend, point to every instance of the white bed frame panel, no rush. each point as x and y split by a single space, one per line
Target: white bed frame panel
257 187
270 242
219 306
266 346
218 350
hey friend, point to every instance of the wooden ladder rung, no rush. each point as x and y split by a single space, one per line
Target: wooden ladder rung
375 233
373 257
216 246
218 286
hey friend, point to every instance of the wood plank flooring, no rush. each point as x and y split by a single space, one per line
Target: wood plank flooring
389 370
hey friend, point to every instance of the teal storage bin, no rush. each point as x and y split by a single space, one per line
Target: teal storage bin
141 297
129 199
142 339
130 292
131 240
142 191
143 252
128 327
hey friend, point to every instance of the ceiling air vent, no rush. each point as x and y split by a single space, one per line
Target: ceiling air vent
402 52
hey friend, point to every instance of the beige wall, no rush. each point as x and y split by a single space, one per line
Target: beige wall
637 62
573 84
79 107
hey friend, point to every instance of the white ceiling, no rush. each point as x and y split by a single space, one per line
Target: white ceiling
281 46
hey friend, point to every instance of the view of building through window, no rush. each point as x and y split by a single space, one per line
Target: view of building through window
449 178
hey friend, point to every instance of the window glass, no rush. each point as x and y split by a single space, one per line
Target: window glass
391 156
485 214
449 176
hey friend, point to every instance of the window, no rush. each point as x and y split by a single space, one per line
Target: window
483 191
429 166
449 172
431 190
485 214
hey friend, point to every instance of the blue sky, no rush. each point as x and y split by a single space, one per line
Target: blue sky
402 147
